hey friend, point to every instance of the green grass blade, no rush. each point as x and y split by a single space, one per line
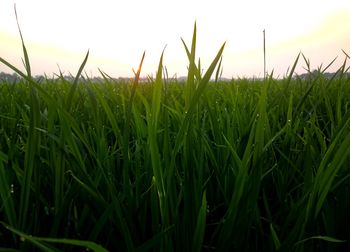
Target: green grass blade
127 125
275 239
153 117
319 237
75 83
293 69
25 53
192 69
195 99
86 244
217 75
198 236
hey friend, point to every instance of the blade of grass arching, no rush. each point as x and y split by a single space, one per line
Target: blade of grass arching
32 142
25 53
15 69
292 72
198 236
81 243
75 83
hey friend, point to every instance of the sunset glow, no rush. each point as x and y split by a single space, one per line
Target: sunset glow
59 33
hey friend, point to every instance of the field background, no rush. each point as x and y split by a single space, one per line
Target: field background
167 165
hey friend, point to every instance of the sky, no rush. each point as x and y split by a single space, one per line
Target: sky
58 34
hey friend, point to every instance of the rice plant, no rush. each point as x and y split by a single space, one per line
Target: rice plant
165 165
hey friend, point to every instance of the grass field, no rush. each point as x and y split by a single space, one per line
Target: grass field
163 165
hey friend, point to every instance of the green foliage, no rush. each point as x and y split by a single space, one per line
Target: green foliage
161 165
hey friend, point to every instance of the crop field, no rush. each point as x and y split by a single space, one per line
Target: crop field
169 165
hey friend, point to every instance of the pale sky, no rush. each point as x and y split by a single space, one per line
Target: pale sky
59 33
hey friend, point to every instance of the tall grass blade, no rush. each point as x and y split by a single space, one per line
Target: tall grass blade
75 83
192 69
292 71
25 53
153 117
127 125
198 236
195 99
33 139
217 75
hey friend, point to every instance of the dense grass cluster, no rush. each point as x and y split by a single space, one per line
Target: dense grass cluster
175 166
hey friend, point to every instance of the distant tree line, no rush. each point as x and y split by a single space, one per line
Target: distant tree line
13 78
315 73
